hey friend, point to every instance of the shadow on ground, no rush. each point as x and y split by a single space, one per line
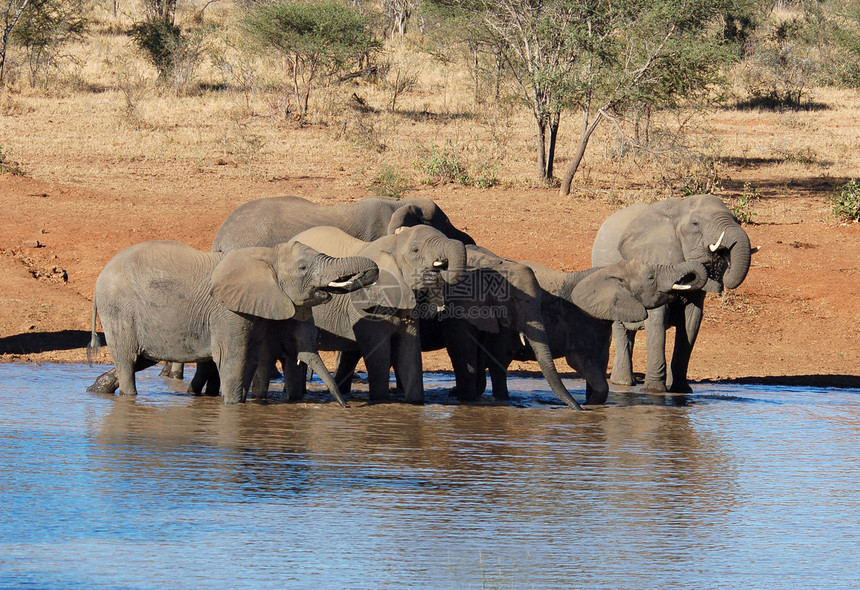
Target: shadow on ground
35 342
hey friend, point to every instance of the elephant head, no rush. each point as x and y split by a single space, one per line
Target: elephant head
276 283
626 290
415 260
699 229
501 293
424 211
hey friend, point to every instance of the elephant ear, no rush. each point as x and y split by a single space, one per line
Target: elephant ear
245 282
606 296
390 291
406 216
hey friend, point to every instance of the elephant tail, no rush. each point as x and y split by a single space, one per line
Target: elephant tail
95 342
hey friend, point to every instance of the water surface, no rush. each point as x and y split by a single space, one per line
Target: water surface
732 486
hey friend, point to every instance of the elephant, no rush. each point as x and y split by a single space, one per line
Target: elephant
496 295
379 323
578 309
164 299
699 229
274 220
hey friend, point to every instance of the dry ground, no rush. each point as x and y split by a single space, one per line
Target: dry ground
100 177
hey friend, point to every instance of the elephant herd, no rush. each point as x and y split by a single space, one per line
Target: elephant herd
383 280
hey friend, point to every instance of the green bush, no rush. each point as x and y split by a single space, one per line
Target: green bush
442 165
846 203
389 183
158 40
742 205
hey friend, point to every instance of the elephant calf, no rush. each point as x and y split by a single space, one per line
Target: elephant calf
164 300
578 309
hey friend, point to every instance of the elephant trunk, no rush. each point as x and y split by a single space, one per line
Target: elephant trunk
455 256
347 274
684 276
537 341
735 250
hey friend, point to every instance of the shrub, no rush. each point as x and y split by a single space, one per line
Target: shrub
158 39
9 167
442 165
846 203
742 205
389 183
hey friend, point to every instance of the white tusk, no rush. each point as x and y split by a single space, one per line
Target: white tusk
523 339
754 250
439 263
680 287
440 308
398 230
713 247
340 283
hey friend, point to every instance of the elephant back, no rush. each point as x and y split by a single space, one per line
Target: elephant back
605 250
331 240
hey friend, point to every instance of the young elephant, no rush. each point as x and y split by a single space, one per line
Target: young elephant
379 322
578 309
496 296
166 300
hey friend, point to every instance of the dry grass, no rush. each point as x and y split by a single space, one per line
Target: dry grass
113 123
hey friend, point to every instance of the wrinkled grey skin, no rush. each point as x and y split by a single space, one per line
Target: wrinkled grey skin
166 300
578 309
271 221
699 229
275 220
497 296
379 322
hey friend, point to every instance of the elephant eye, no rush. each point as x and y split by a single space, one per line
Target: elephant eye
415 249
303 267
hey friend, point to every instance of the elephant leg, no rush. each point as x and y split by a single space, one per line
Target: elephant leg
685 337
622 366
409 366
346 363
313 360
206 380
498 368
463 351
125 373
173 370
655 340
295 377
378 362
107 382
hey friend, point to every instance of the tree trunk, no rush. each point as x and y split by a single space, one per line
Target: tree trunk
555 118
587 130
541 146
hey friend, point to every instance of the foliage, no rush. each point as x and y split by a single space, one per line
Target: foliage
846 203
44 29
157 39
317 40
702 177
388 182
599 58
782 62
443 165
741 206
847 41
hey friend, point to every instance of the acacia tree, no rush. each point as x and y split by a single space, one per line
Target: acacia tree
598 57
317 40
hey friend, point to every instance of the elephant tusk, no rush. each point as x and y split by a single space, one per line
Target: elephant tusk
755 249
440 263
340 284
714 247
680 287
440 308
523 339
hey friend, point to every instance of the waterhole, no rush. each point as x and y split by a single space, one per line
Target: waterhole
732 486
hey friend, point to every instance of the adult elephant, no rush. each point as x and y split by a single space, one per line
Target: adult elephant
166 300
274 220
496 296
379 323
699 229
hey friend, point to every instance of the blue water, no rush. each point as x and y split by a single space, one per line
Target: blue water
736 487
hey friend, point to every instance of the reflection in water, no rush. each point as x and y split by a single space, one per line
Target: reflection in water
734 486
